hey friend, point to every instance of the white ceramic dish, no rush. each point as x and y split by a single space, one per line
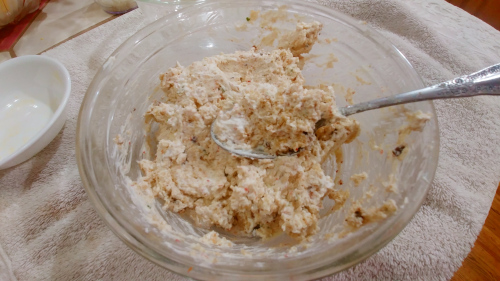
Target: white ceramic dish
33 96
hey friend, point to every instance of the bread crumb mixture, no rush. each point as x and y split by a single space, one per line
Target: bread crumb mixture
273 111
262 97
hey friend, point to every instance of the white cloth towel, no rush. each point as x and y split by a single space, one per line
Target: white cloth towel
50 231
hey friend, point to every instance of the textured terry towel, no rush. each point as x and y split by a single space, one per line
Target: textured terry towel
49 230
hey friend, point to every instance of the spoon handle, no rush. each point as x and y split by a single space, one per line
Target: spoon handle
483 82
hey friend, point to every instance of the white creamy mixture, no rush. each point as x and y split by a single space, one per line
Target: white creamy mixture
21 118
262 98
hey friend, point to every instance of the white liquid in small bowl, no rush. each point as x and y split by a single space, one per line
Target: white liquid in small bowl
21 118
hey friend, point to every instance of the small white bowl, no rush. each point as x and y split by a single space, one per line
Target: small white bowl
34 91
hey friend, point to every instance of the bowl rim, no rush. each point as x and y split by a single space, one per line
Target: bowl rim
14 157
171 2
142 247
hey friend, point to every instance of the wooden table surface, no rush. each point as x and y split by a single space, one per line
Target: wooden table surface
483 262
487 10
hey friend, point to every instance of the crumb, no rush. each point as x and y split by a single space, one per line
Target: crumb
118 140
358 178
349 95
391 186
359 216
213 238
398 150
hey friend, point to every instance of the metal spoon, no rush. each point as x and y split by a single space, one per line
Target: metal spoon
483 82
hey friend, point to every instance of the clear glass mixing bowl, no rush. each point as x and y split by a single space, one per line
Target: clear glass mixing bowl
155 9
362 61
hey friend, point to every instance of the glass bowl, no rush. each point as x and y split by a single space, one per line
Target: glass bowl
355 59
155 9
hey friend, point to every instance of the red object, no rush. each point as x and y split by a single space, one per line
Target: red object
11 33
